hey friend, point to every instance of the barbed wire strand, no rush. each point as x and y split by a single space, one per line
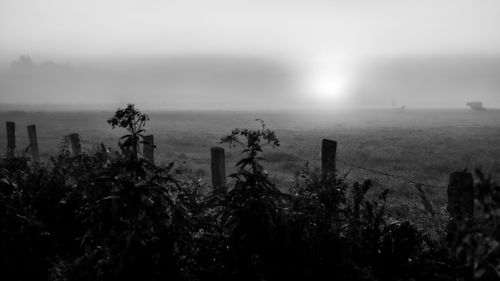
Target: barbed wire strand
57 139
357 166
414 182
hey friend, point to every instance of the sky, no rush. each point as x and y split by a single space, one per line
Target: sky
327 42
95 28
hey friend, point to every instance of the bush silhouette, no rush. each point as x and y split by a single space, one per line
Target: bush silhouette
99 217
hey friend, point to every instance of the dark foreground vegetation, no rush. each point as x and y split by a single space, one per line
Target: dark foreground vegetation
114 216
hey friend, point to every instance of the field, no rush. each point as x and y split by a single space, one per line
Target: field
421 145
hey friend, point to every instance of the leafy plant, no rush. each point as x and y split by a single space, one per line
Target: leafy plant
134 122
101 217
476 244
250 211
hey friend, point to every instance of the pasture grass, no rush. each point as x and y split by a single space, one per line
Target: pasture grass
423 145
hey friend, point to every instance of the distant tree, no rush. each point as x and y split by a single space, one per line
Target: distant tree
24 62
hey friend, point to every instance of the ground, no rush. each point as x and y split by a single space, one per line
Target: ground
421 145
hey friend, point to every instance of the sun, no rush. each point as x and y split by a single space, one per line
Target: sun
325 82
327 86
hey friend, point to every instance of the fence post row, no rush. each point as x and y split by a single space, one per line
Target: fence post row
33 144
328 156
460 189
148 149
460 200
218 166
11 139
74 142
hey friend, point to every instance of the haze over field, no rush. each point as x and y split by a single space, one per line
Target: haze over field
248 54
249 140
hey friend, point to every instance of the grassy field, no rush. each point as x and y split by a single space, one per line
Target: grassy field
423 145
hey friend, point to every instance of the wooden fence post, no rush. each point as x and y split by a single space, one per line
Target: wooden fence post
218 165
74 142
148 148
11 139
33 144
328 155
460 199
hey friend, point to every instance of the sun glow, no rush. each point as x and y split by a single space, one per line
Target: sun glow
327 86
325 82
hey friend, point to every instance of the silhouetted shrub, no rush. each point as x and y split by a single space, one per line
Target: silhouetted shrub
110 216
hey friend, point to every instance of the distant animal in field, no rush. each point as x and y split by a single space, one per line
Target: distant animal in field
399 109
476 105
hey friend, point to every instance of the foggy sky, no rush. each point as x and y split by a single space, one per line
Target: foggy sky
359 38
54 29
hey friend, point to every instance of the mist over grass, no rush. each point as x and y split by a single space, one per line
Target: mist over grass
227 82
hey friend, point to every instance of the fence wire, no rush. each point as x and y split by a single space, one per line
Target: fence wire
55 138
416 183
350 164
347 163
